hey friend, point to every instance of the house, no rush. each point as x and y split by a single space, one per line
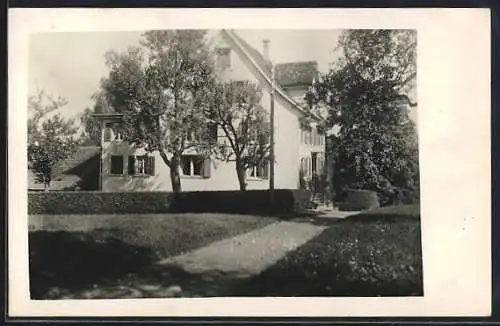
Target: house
125 168
80 171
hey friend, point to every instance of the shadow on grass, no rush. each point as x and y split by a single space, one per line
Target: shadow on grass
75 265
75 261
352 258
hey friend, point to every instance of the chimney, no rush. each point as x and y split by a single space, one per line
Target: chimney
265 49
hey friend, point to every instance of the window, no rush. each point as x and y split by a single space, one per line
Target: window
303 167
223 58
116 164
111 132
213 131
192 165
108 132
191 136
141 165
259 171
314 163
306 166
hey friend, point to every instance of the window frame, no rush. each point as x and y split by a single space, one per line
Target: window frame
148 163
255 171
192 169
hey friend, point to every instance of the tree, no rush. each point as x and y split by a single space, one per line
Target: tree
51 139
367 95
160 88
237 111
91 136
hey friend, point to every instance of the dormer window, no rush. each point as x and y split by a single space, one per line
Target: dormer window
223 58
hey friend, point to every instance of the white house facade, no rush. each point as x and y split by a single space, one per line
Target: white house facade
125 168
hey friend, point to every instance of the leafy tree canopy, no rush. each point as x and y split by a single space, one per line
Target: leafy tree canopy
51 138
236 109
367 95
160 87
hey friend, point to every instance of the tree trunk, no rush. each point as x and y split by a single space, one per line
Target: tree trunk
174 174
173 164
240 171
46 183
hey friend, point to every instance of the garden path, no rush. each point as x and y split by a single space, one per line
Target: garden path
249 253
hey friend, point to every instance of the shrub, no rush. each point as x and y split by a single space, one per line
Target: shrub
398 196
358 200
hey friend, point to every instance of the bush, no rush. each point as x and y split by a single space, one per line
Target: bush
358 200
243 202
351 258
398 196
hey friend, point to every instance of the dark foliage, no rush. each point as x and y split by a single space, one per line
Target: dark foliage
367 97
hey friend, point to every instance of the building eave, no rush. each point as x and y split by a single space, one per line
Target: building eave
107 115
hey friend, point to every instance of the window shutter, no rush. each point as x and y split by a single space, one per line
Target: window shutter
213 129
151 160
116 164
131 165
265 170
206 168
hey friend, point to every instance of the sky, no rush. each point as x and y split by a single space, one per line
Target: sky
71 64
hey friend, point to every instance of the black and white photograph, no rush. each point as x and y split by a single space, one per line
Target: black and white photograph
224 163
178 163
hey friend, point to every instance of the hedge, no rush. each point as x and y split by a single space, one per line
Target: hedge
237 202
360 199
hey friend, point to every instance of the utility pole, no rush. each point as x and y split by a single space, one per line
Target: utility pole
271 167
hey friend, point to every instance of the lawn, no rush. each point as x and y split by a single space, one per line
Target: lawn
75 252
375 253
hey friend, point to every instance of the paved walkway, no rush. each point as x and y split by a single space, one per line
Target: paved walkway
247 254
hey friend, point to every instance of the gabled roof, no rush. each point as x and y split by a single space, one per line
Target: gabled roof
82 154
264 68
62 180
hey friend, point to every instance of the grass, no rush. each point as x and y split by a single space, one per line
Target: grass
400 211
71 253
376 253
